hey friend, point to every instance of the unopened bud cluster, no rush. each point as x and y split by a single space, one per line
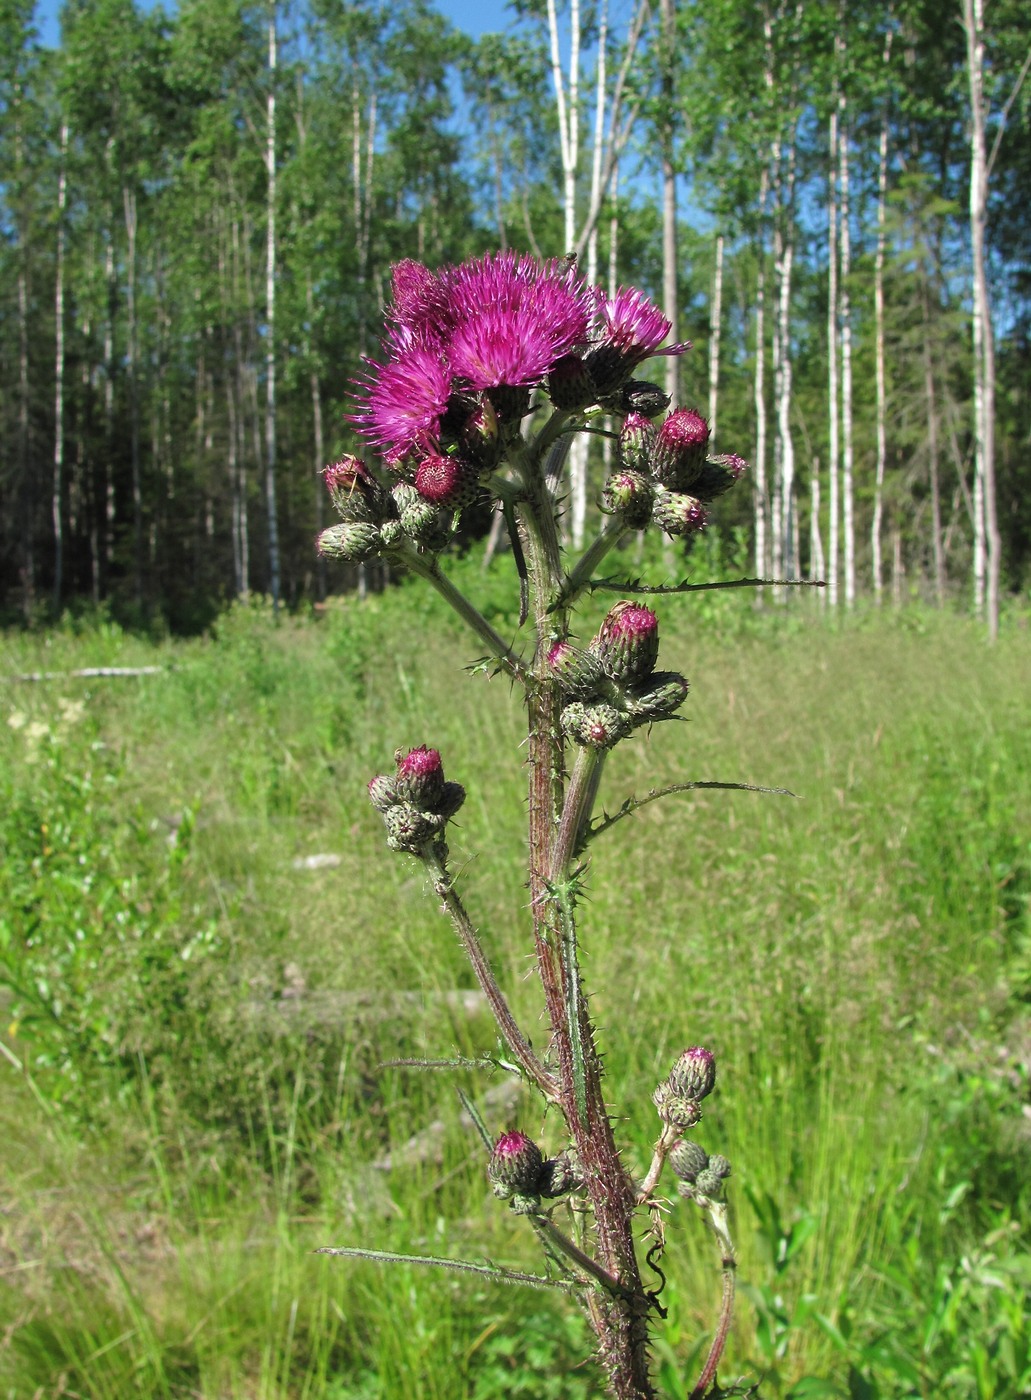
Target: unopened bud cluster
678 1100
419 511
613 684
519 1173
665 474
416 802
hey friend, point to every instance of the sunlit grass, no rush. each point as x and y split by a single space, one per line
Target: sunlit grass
857 956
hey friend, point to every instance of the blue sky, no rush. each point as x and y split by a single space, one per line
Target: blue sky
473 16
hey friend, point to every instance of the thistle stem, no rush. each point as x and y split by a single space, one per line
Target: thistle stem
431 571
576 813
517 1042
662 1147
717 1211
612 532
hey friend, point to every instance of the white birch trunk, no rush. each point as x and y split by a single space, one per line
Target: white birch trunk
987 542
715 322
669 196
132 357
876 564
847 462
270 318
817 563
833 455
759 487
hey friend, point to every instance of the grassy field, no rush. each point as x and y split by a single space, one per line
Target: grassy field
195 1011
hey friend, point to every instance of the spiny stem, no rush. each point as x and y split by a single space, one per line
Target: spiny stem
463 926
615 585
717 1212
576 813
580 577
492 1271
430 570
666 1140
572 1251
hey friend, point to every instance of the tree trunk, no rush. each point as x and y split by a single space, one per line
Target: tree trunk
847 487
987 542
715 321
932 454
833 455
881 406
817 562
670 297
132 365
58 485
759 488
270 317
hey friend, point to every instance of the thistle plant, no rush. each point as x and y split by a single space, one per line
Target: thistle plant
489 370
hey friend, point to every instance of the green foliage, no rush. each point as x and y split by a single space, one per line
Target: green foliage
190 1128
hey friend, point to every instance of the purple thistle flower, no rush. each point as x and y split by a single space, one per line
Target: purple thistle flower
501 346
632 323
514 318
420 300
404 403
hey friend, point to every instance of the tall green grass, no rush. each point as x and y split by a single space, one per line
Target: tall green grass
201 1020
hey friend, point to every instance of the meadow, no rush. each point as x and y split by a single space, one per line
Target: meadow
207 953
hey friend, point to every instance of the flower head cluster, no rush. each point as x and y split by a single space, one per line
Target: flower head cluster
613 685
678 1098
488 331
518 1172
376 521
665 475
416 802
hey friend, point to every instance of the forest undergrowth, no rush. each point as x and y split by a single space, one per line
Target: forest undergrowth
204 962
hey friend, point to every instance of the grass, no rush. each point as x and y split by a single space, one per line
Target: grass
201 1016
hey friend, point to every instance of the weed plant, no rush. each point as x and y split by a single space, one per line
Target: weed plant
172 1156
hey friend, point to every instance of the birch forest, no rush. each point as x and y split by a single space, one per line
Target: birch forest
200 208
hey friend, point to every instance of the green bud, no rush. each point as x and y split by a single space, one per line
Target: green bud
677 514
352 541
570 385
596 726
628 494
409 829
707 1183
667 691
688 1159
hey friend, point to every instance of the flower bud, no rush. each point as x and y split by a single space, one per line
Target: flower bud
708 1184
577 671
636 437
688 1159
451 799
694 1074
679 452
560 1174
420 778
628 494
719 1165
666 692
570 385
673 1109
637 396
677 514
627 644
609 368
409 829
597 726
383 794
718 474
354 491
449 482
480 438
426 524
392 533
515 1166
353 541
